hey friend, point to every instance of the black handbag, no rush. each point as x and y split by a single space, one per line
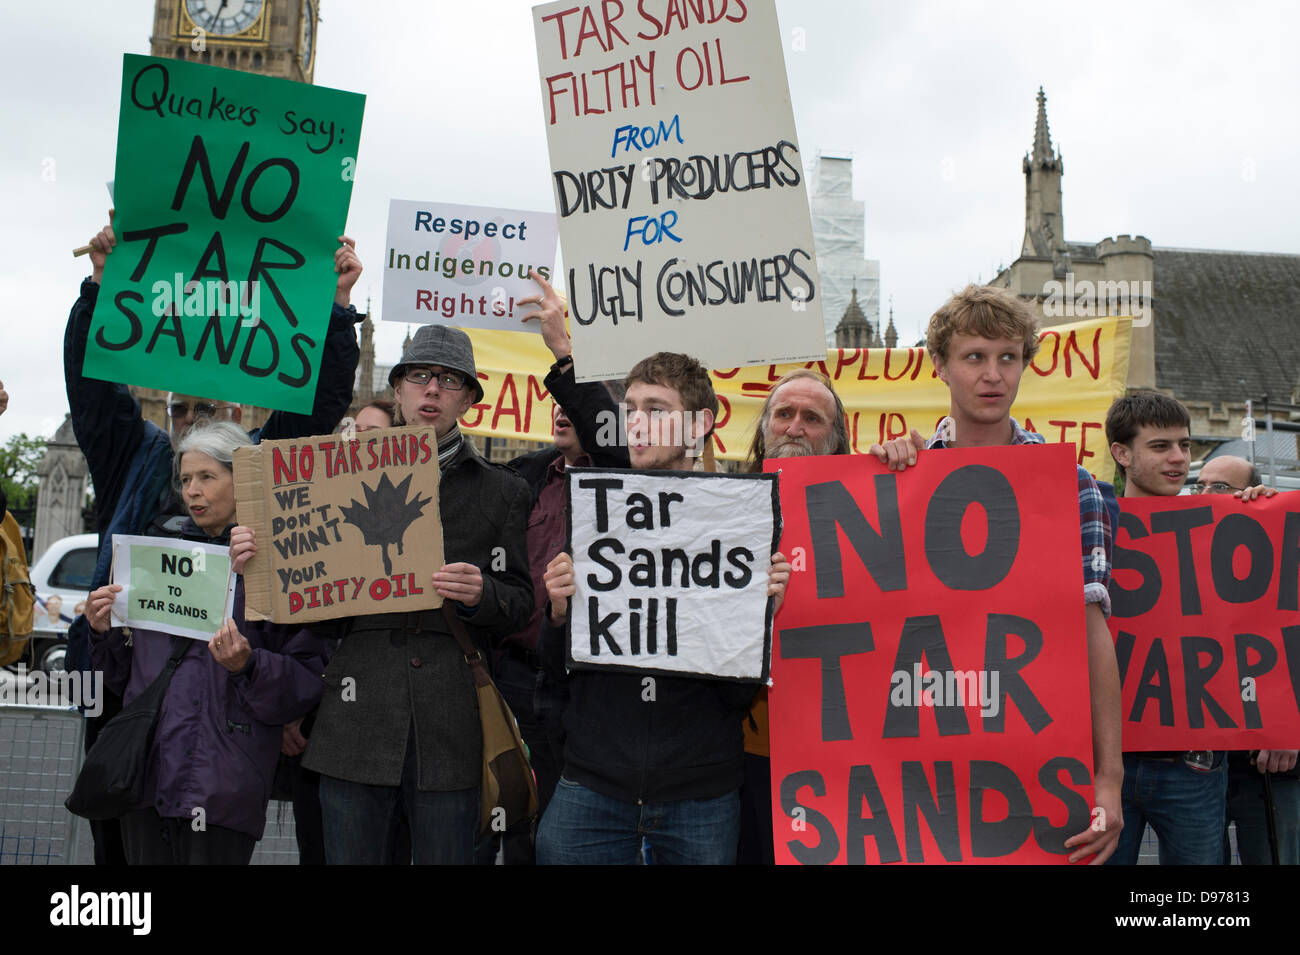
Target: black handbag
111 781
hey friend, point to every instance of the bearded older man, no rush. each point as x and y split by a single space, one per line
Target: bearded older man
802 416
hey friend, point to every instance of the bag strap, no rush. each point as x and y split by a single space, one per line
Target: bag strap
180 647
472 656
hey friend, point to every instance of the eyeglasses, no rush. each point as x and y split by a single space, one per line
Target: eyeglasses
447 380
202 409
1217 487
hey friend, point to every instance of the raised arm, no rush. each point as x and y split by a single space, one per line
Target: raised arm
589 406
105 417
338 363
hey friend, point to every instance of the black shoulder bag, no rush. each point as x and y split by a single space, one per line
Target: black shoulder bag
111 781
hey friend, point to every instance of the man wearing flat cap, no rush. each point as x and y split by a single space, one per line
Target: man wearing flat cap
398 728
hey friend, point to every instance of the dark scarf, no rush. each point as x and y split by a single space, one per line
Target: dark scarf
448 446
192 532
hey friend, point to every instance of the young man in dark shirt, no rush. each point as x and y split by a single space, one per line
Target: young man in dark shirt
666 766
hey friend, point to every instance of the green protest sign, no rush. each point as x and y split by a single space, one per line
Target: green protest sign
171 586
231 191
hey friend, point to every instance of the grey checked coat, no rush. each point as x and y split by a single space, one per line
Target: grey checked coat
407 667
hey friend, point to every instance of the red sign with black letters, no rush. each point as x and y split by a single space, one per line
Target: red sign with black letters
930 694
1206 621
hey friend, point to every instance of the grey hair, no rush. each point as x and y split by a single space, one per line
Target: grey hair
216 439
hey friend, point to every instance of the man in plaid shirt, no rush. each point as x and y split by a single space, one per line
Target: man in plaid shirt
981 340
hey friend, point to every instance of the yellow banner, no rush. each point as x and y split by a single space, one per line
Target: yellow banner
1064 393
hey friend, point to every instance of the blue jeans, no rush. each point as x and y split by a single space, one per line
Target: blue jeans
360 821
583 827
1184 806
1246 809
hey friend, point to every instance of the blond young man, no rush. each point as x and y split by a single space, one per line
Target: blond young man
981 341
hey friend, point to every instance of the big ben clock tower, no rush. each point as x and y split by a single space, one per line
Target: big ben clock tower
270 37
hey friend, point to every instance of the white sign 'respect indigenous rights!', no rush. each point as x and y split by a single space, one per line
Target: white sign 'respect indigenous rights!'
450 264
671 570
172 586
679 184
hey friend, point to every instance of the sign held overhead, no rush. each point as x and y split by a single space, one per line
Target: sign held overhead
679 184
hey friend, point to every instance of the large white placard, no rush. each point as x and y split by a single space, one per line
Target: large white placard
679 183
449 264
671 571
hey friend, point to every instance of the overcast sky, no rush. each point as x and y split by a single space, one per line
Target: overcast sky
1175 120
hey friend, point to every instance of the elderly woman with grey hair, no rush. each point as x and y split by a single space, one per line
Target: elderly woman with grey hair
208 775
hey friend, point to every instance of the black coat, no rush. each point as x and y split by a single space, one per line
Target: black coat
684 744
595 418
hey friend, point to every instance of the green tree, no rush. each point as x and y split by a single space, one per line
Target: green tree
18 460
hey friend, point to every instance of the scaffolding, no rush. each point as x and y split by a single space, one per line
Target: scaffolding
838 222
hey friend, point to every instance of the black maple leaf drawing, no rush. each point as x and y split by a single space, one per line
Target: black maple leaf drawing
386 515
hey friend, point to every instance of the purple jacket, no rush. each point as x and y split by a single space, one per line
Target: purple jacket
218 733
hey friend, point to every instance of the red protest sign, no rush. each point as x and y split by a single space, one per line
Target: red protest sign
1206 621
929 697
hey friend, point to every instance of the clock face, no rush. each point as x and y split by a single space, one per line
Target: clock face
307 47
224 17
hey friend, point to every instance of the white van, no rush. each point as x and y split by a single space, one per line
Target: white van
62 579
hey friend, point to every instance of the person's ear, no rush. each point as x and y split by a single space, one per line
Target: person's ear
237 414
701 423
1122 454
941 369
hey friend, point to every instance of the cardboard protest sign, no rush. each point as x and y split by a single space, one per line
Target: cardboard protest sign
679 183
231 190
344 527
172 586
1206 619
1064 393
464 265
671 571
929 697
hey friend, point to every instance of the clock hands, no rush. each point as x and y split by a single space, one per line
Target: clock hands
212 24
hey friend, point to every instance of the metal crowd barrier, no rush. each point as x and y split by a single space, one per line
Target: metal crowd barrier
41 750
